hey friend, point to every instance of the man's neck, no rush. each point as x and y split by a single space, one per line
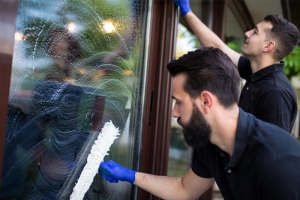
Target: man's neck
258 64
224 129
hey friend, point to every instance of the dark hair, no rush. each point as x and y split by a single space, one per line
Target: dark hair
74 51
208 69
285 33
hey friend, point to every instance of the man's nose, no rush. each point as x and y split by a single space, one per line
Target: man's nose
175 112
247 34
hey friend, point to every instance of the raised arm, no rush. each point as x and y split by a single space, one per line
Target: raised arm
206 37
190 186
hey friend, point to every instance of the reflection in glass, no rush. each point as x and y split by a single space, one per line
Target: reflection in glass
76 65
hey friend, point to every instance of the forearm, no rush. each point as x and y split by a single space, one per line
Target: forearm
164 187
190 186
206 37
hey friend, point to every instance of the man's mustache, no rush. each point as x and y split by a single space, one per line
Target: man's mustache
179 121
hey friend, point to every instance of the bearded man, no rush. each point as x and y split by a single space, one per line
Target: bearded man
234 148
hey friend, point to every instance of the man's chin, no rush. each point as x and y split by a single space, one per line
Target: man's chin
244 52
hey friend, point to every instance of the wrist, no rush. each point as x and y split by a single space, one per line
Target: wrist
139 178
188 13
131 178
184 13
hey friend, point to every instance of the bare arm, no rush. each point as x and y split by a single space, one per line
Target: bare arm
190 186
208 38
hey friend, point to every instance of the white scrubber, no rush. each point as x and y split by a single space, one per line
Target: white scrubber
100 148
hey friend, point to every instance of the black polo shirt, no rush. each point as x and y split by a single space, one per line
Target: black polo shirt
268 94
264 165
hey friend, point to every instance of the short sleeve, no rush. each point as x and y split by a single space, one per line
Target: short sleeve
244 67
200 163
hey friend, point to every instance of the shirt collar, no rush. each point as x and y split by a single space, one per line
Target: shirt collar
241 139
267 70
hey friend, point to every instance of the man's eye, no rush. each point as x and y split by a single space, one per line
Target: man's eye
177 102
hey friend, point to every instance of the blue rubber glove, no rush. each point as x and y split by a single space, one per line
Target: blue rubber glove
113 172
184 6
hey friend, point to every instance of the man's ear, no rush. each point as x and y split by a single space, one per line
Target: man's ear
269 46
206 101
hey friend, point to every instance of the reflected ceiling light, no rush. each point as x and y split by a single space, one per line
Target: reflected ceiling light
128 72
98 74
108 26
82 71
71 27
19 36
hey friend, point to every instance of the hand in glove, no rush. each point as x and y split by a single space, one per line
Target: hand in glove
113 172
184 6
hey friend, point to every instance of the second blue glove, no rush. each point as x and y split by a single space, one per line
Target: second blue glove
116 172
184 6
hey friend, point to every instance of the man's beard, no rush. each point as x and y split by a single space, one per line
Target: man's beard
197 131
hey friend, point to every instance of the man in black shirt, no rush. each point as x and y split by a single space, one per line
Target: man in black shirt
234 148
268 93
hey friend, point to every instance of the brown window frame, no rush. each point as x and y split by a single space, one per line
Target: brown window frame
158 103
8 14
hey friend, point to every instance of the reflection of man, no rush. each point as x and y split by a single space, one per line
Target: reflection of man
42 146
64 48
235 149
267 93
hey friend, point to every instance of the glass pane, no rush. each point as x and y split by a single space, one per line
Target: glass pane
76 65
